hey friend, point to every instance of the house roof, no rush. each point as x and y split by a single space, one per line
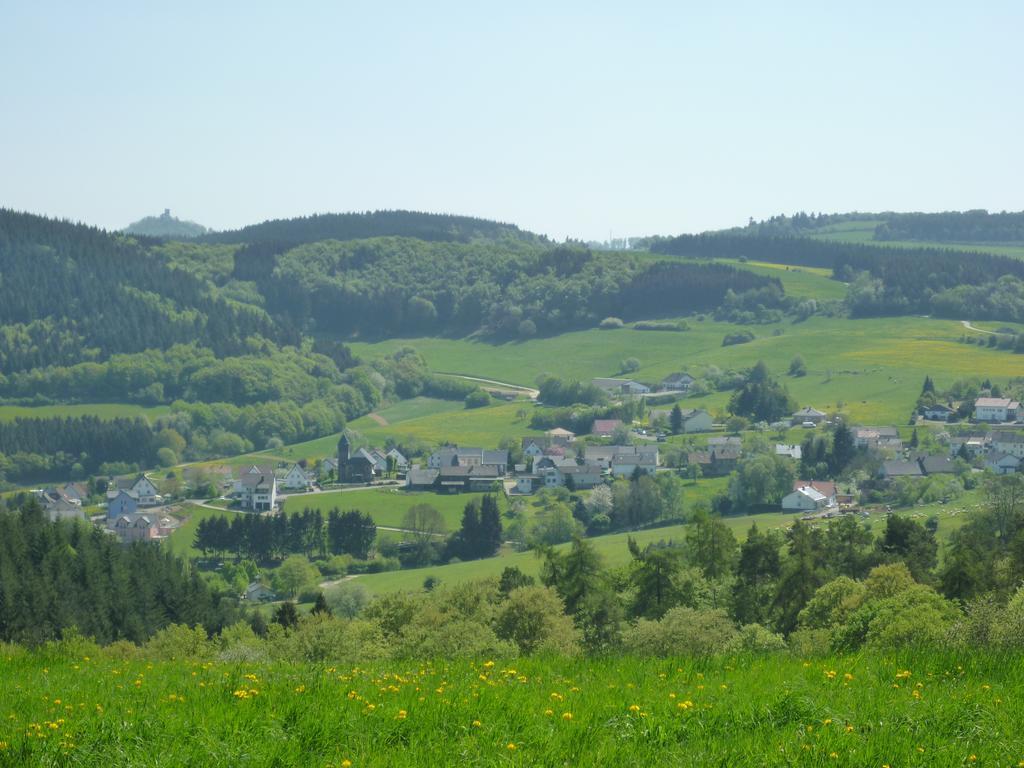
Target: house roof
559 432
725 453
992 402
810 493
495 457
825 487
689 413
258 481
937 465
809 411
867 433
419 476
1000 458
698 457
901 468
1009 437
675 378
793 451
605 426
727 440
634 458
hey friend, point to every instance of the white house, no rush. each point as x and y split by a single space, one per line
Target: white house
1009 442
794 452
401 463
621 386
625 464
676 382
937 412
602 455
296 479
143 489
257 491
877 438
809 414
995 409
258 593
805 499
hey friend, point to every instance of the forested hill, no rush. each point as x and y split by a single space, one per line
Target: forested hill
165 225
70 293
957 227
358 226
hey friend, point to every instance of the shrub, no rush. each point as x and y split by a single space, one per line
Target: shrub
534 619
478 399
682 632
740 337
652 325
610 323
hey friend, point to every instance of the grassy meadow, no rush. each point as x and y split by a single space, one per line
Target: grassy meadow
863 232
873 367
615 552
927 708
102 410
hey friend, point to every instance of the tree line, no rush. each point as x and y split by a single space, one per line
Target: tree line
55 576
308 533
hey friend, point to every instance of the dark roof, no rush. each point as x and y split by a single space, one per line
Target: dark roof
900 468
936 465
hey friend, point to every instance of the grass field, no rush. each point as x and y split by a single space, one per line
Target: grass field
180 542
103 410
614 550
863 232
874 367
388 506
927 708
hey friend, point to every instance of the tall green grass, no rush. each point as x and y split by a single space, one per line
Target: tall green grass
927 708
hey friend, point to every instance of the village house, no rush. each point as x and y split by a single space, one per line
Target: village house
937 465
1006 441
995 409
296 479
558 433
621 386
605 427
719 461
726 441
826 488
144 527
808 415
1003 463
259 593
328 468
579 477
877 438
121 502
420 479
459 479
694 419
143 489
631 462
454 456
676 382
974 444
602 455
256 489
794 452
937 412
59 506
900 468
805 499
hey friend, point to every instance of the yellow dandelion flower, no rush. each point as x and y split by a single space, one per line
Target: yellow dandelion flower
972 759
549 712
402 714
834 755
346 764
567 715
488 664
511 747
476 723
849 728
634 707
847 677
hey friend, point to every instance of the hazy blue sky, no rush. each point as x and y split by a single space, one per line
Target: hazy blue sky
574 119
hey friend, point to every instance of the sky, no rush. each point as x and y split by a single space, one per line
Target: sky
572 119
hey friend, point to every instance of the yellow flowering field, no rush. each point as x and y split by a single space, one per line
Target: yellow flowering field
925 709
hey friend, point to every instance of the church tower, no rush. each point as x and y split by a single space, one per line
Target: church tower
344 449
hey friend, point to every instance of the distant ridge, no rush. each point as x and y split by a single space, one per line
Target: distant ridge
165 225
437 227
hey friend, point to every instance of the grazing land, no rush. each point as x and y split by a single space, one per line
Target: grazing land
873 367
103 410
905 709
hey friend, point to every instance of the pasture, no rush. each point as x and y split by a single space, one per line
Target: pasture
871 369
923 708
102 410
